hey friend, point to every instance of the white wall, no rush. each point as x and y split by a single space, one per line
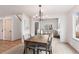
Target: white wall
53 22
16 28
25 26
62 21
63 24
72 41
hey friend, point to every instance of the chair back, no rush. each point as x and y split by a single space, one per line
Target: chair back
49 41
50 36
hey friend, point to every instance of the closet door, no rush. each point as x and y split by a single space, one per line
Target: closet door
1 29
8 29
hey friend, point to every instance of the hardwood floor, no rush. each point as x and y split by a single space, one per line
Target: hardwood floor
57 47
5 44
62 48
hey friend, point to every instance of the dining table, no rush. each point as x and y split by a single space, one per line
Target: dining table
37 40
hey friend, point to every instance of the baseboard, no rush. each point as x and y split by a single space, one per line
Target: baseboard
72 47
16 39
1 39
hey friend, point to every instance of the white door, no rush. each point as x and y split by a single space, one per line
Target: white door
8 29
1 29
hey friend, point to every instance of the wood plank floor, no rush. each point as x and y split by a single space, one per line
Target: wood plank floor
59 48
62 48
5 44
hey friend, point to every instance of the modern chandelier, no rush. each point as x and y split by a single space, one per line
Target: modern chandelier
40 13
40 17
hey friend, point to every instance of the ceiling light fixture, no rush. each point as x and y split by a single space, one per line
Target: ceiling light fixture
40 17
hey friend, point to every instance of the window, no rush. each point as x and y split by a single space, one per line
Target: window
76 26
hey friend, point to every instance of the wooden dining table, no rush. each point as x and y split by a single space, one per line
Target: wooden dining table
37 40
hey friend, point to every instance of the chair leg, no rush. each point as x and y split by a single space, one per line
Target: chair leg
24 51
46 51
37 51
50 52
33 51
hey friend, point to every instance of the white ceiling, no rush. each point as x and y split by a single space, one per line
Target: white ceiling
32 10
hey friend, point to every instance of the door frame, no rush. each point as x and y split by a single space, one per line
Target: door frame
4 20
2 28
35 27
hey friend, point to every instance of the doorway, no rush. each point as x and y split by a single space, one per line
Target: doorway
7 29
1 29
36 27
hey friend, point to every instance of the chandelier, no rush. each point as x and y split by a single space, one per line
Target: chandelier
40 17
40 13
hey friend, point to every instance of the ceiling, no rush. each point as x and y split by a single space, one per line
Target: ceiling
32 10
